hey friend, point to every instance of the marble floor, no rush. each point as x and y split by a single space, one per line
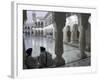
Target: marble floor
70 53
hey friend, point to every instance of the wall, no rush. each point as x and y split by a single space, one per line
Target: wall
5 39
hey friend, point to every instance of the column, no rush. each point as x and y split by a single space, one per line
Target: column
74 34
68 34
60 19
83 23
88 37
37 32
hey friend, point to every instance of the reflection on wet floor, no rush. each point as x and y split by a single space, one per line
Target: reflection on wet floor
70 53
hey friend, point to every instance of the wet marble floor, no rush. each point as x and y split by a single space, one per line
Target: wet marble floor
70 53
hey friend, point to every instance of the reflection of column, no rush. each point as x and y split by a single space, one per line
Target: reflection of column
30 30
83 23
44 32
35 32
28 43
60 19
38 32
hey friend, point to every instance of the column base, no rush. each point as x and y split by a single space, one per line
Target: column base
83 55
59 61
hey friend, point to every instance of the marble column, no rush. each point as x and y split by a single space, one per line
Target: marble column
88 37
83 23
24 53
74 34
60 19
68 34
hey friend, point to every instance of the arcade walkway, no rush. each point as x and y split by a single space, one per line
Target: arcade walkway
70 53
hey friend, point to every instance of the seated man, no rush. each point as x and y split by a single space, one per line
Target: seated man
31 62
45 58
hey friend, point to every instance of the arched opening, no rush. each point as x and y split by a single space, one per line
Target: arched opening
41 24
28 32
25 27
78 34
39 32
38 24
28 28
75 34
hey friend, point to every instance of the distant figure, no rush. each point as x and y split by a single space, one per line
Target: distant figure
31 62
45 58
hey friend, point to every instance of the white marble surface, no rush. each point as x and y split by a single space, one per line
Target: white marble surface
70 53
